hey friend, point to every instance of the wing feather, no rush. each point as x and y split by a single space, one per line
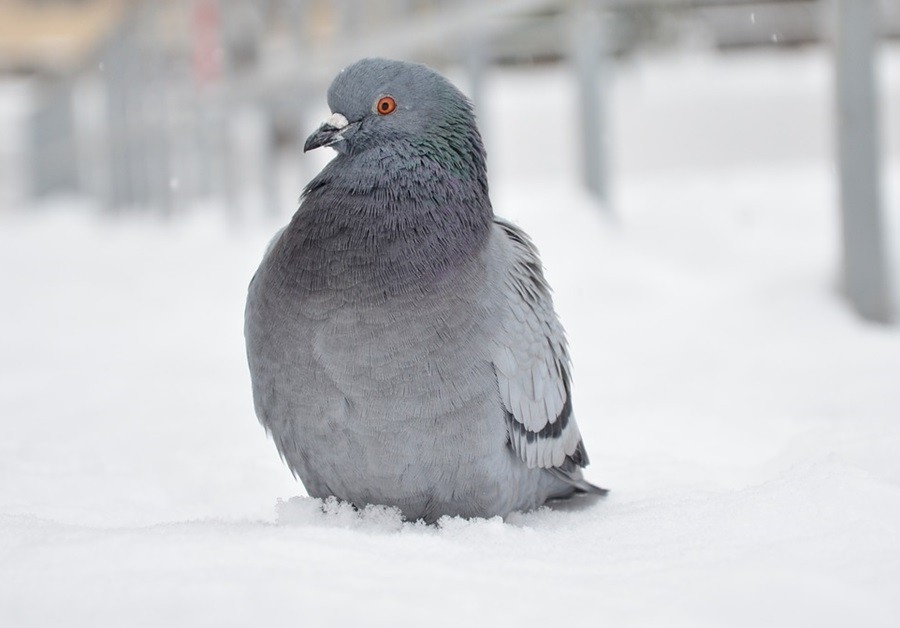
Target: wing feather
531 361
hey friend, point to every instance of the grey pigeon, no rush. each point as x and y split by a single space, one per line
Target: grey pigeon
402 341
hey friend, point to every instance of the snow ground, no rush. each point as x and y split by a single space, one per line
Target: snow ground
747 423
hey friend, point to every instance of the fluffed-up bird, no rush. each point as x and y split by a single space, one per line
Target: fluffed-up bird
402 341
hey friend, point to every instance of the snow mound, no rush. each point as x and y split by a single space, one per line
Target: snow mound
331 512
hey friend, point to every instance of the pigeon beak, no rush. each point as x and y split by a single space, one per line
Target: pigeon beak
327 134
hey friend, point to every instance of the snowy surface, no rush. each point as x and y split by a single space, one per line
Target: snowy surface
747 423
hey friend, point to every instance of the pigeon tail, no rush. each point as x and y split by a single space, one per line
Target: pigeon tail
578 483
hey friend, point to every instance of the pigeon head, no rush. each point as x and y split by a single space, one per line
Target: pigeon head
406 198
396 106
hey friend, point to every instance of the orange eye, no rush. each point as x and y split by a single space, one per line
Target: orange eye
386 105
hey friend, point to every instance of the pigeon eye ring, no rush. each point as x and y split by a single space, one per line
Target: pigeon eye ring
385 105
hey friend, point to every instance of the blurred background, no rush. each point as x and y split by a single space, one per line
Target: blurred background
714 186
158 106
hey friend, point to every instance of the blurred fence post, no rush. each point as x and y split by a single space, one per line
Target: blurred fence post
589 50
118 71
865 272
305 39
476 59
54 164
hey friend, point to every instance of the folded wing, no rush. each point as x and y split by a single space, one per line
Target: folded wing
531 361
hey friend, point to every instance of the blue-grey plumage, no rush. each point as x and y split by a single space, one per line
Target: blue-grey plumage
402 341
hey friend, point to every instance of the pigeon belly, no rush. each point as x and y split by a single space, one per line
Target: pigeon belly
389 401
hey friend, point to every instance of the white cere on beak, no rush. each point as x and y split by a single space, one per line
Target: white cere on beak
337 121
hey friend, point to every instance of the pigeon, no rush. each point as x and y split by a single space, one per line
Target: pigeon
402 341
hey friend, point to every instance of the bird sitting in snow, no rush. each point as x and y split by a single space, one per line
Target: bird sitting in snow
402 341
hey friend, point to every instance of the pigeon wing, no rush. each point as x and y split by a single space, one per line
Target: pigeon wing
531 361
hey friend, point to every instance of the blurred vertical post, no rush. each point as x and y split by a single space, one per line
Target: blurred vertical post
476 61
120 74
208 75
155 141
865 273
300 15
589 49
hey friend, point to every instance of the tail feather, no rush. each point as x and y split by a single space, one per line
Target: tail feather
577 482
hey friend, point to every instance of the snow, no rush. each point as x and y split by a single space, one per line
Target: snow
746 421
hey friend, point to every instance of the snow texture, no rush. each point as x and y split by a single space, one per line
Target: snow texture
746 421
